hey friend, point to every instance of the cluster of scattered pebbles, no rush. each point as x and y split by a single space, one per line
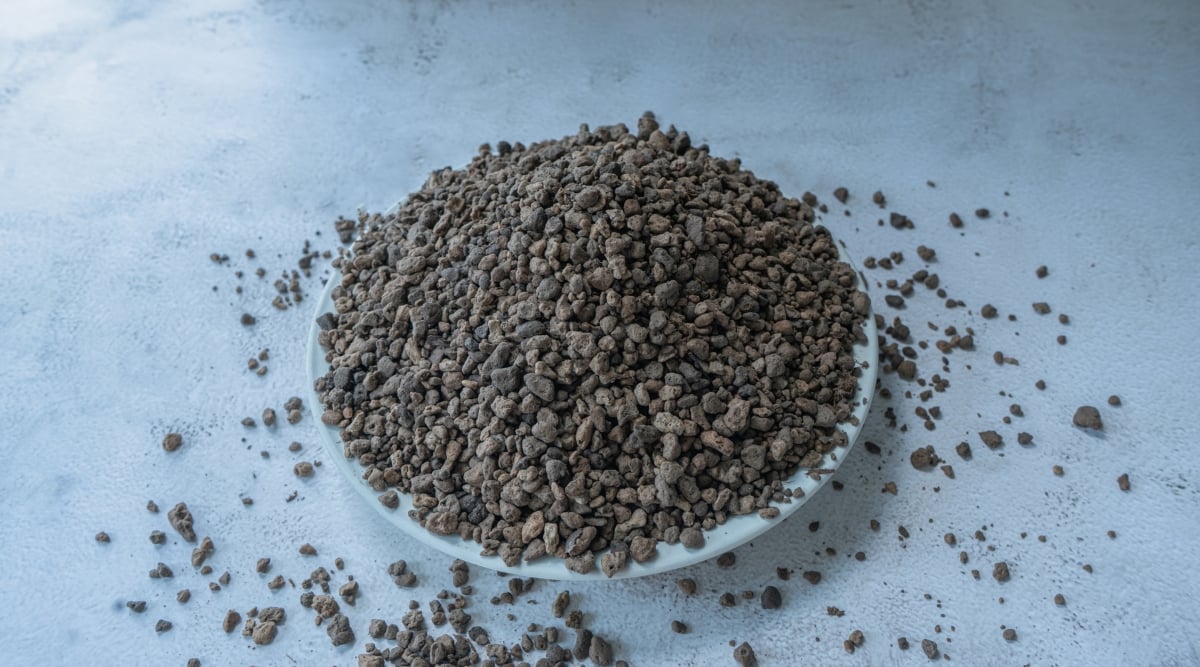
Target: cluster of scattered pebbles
596 344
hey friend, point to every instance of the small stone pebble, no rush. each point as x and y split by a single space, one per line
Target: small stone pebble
307 549
771 598
181 520
389 499
600 651
930 648
264 633
991 438
232 619
560 604
679 627
1114 400
1010 634
924 458
136 606
687 586
163 625
1000 571
339 630
744 655
1088 417
1123 482
103 537
691 538
172 442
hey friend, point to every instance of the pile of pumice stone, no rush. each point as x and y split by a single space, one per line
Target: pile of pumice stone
591 345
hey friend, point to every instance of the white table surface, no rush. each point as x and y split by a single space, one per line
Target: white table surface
136 138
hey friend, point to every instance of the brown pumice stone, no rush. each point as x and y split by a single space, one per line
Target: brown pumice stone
172 442
1088 417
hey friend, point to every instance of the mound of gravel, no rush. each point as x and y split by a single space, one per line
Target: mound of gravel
598 342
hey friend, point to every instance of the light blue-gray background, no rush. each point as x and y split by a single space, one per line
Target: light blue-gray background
138 137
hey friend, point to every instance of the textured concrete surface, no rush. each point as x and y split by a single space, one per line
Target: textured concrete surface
138 137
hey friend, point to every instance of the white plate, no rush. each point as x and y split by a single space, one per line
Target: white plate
736 531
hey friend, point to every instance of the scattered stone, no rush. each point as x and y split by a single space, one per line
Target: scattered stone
339 630
1088 417
1000 571
687 586
181 520
771 598
172 442
264 633
600 651
744 655
232 619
